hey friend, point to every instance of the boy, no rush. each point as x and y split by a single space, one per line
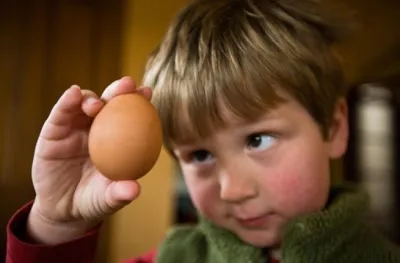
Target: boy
251 100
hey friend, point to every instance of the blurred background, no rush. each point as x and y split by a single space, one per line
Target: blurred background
47 45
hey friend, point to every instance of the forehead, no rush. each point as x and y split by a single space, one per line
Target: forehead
281 114
192 113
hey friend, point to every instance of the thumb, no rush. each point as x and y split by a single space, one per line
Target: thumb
121 193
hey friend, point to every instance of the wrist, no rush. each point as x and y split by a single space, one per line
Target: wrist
42 230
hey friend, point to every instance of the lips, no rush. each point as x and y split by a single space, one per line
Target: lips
254 222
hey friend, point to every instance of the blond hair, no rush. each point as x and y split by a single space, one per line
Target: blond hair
242 55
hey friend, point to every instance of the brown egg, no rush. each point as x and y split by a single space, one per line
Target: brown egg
125 138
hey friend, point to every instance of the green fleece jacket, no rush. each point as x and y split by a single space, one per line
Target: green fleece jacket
339 233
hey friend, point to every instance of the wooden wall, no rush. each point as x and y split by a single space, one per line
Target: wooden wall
142 225
373 51
45 46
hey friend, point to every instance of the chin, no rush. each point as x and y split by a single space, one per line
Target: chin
260 238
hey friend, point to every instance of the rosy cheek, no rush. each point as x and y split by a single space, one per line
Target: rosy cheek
288 184
205 197
285 190
299 189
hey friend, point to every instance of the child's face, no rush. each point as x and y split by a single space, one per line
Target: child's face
252 178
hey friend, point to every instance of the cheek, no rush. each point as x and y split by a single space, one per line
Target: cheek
302 182
203 193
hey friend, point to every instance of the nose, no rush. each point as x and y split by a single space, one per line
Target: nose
236 184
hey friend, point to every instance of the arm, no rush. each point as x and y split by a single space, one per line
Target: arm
81 250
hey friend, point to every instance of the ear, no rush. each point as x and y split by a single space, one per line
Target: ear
339 130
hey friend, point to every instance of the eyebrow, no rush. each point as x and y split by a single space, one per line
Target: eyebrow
268 116
239 123
185 141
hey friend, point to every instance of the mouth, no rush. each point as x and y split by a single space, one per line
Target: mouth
254 222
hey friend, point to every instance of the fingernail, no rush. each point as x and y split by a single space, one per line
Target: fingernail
92 101
115 84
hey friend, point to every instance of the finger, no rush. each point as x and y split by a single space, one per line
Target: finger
146 92
125 190
91 104
67 106
123 86
121 193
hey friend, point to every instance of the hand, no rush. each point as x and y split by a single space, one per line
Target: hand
71 195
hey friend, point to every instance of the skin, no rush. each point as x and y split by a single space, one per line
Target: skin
71 194
252 178
275 169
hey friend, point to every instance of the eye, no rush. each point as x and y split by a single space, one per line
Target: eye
201 156
260 142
